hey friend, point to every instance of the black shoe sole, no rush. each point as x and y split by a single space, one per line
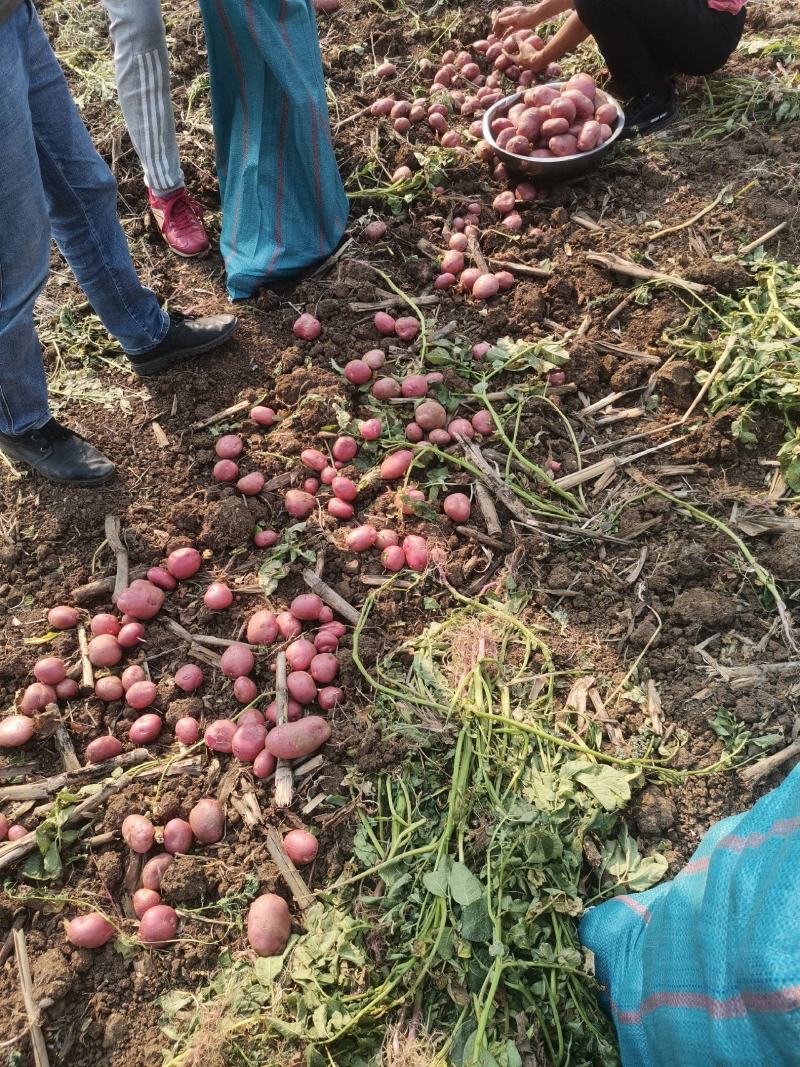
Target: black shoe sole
76 483
629 132
150 368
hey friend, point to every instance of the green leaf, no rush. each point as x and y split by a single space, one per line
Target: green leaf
623 863
609 785
476 925
436 881
33 867
267 968
465 888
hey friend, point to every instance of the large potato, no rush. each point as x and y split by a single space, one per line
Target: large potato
268 925
294 740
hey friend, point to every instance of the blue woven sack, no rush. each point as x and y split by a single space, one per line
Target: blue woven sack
705 969
283 203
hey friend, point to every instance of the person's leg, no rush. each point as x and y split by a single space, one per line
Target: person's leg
81 196
24 241
143 84
142 67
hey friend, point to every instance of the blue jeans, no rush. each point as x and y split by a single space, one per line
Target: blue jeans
53 182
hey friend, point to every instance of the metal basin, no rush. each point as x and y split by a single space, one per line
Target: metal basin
556 170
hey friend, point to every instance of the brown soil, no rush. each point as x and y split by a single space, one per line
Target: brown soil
100 1007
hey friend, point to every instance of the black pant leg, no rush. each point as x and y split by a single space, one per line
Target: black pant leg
620 28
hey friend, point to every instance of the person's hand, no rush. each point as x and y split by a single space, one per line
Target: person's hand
516 17
525 54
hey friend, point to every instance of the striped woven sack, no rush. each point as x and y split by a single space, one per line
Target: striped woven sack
705 969
284 207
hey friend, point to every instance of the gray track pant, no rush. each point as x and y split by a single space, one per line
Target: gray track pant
142 68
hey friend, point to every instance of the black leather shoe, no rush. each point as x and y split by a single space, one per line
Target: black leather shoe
185 337
59 454
651 112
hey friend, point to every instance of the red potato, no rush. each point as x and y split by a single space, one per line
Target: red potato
219 735
15 731
153 871
505 279
36 697
437 122
485 287
414 432
158 925
340 509
298 503
187 730
89 931
248 741
300 846
457 507
376 230
519 146
269 925
393 558
584 108
324 668
479 350
67 690
329 697
382 106
131 634
386 70
554 127
109 688
407 327
218 597
138 833
294 711
301 687
16 832
344 449
512 222
416 552
396 464
606 113
178 837
189 677
103 624
307 328
541 96
357 372
105 651
224 471
402 174
563 108
450 139
429 415
264 764
338 629
386 389
207 821
584 83
589 137
143 900
370 430
458 242
469 277
415 385
452 262
251 715
245 690
325 642
402 125
605 132
145 729
141 600
229 446
505 137
288 625
408 498
483 422
265 538
251 484
384 323
103 748
184 563
383 539
141 695
295 740
563 145
375 358
461 426
63 617
400 109
262 416
306 607
313 459
299 654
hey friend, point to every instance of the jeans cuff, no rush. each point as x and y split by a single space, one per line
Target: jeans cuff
153 344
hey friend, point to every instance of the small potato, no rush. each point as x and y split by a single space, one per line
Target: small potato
302 687
306 607
262 628
584 108
396 464
236 660
184 563
457 507
361 538
589 137
294 740
50 670
430 415
416 552
340 509
554 127
264 764
207 821
138 833
15 731
103 748
300 846
178 836
153 871
606 113
189 677
109 688
219 735
563 145
141 695
105 651
245 689
131 635
299 654
63 617
158 925
269 925
248 741
141 600
143 900
324 668
145 729
563 108
187 730
89 931
330 696
288 626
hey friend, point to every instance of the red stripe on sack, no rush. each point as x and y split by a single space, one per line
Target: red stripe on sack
780 828
279 189
776 1001
237 62
282 28
249 14
694 867
643 912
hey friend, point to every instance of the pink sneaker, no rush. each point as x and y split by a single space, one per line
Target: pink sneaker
180 222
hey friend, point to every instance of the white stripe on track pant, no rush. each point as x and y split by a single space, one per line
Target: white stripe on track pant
142 68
